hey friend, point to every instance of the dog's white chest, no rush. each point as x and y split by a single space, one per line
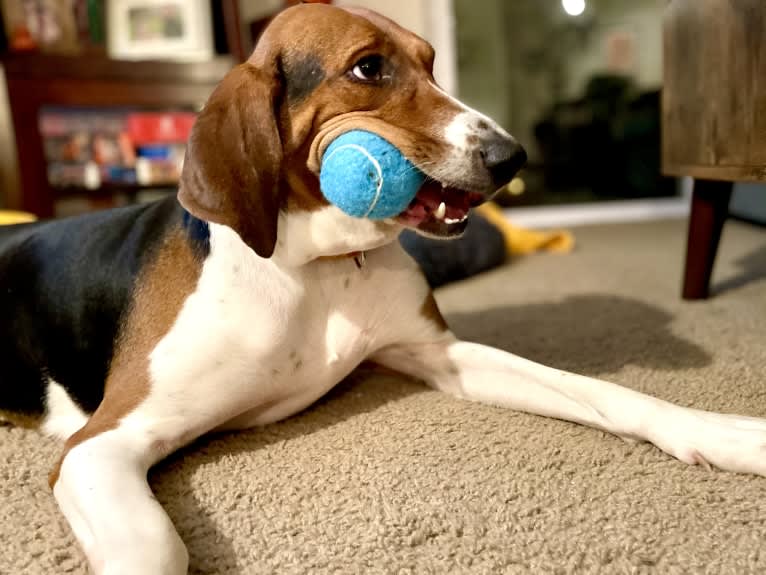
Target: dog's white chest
257 338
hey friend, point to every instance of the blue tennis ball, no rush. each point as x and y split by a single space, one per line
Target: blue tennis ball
367 177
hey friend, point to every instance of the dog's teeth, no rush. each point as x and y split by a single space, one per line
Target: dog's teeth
440 211
456 220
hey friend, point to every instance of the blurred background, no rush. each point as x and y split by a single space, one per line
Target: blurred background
97 97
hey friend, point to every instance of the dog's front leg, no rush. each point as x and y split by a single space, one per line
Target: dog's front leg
102 490
481 373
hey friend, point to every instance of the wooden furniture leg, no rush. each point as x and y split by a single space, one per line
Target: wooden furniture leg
710 206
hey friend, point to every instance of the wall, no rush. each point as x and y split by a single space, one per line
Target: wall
504 61
642 19
9 175
482 57
516 58
256 9
411 14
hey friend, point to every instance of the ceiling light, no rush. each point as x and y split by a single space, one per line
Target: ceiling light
573 7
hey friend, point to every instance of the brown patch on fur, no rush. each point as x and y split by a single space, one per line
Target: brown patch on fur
160 291
430 311
25 420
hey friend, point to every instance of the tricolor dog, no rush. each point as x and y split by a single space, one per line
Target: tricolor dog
131 332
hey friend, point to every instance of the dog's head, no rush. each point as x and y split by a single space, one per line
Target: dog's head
319 71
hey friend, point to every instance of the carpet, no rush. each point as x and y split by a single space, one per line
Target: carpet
384 476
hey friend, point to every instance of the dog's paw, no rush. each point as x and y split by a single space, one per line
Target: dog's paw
728 442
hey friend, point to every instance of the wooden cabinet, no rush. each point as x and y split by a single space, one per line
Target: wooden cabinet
714 114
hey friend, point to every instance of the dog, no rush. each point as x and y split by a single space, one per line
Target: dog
129 333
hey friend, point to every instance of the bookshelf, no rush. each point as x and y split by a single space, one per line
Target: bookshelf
40 81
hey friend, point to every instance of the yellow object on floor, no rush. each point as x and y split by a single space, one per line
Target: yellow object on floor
519 241
11 217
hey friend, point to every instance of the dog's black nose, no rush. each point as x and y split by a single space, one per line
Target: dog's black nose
503 157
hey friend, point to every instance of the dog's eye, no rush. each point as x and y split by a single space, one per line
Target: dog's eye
369 69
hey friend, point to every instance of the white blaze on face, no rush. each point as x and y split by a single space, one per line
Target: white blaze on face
464 133
457 131
467 122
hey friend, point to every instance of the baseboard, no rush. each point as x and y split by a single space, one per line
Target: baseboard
620 211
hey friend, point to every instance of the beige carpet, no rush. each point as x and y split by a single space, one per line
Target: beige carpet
386 477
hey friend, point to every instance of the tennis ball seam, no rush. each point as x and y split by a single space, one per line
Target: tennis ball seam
373 161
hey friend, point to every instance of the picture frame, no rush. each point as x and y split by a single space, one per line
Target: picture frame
160 30
39 25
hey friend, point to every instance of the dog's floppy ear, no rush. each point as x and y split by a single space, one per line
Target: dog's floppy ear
231 171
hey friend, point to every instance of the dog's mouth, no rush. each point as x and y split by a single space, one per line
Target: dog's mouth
440 211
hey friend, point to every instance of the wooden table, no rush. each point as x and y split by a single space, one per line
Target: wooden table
714 114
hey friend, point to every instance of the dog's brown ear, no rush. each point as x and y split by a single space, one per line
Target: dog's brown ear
231 171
